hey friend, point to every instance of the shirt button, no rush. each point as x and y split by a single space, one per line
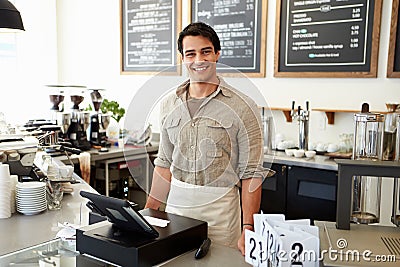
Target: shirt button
192 147
193 124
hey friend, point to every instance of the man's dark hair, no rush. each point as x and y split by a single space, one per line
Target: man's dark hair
199 29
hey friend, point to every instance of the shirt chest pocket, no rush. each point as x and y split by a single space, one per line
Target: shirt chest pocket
173 128
220 133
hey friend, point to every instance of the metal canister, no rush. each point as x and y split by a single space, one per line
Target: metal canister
368 136
267 133
368 139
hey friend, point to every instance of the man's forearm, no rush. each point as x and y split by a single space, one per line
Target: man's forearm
159 188
251 198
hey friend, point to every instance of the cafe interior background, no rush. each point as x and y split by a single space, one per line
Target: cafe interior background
78 42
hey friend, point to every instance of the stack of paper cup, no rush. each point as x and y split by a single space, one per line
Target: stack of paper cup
14 181
5 191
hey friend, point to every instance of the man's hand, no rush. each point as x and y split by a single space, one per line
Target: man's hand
241 241
251 199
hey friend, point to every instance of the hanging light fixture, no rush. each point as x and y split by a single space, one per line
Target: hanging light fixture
10 18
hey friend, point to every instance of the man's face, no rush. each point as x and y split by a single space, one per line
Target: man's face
199 58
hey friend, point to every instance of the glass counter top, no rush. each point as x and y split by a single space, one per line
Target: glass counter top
54 253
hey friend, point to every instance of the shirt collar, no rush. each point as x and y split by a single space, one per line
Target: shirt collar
223 87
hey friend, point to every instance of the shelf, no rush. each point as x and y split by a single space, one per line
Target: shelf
286 112
330 113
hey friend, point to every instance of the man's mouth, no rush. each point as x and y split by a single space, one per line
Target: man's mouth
199 68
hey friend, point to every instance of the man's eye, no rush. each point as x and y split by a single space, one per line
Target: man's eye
207 52
189 55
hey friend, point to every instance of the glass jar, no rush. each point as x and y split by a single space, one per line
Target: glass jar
368 139
368 136
366 199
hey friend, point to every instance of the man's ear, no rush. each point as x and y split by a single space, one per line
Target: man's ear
218 55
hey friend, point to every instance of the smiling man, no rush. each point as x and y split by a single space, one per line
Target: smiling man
211 145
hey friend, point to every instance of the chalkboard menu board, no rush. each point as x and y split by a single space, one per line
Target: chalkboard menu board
149 30
327 38
393 68
241 27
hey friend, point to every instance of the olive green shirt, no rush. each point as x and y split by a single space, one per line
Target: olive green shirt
221 144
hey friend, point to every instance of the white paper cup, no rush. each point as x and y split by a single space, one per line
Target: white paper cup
14 181
4 172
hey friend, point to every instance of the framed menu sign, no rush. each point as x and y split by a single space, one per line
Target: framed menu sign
327 38
393 68
149 30
241 28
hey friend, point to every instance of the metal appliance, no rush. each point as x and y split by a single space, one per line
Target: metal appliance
303 118
267 122
76 133
396 185
375 239
18 151
56 96
64 121
368 139
99 122
389 135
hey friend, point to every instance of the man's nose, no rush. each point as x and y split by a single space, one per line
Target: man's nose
200 58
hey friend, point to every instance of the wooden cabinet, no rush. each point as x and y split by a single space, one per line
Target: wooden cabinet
301 193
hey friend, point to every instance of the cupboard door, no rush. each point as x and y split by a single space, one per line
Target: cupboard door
273 199
311 194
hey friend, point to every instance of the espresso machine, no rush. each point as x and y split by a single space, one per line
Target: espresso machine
98 121
303 117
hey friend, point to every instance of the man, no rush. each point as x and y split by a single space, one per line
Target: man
211 143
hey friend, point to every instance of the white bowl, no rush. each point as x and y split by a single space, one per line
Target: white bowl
310 154
332 148
298 153
289 152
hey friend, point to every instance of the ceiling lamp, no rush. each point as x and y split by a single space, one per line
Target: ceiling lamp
10 18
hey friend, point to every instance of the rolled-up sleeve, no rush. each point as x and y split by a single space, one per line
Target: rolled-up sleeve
251 145
164 156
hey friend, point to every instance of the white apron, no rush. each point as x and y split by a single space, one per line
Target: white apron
218 206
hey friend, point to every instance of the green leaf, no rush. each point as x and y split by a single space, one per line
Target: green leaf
113 107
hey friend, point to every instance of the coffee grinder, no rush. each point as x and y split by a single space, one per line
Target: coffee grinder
56 96
64 121
98 121
76 133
